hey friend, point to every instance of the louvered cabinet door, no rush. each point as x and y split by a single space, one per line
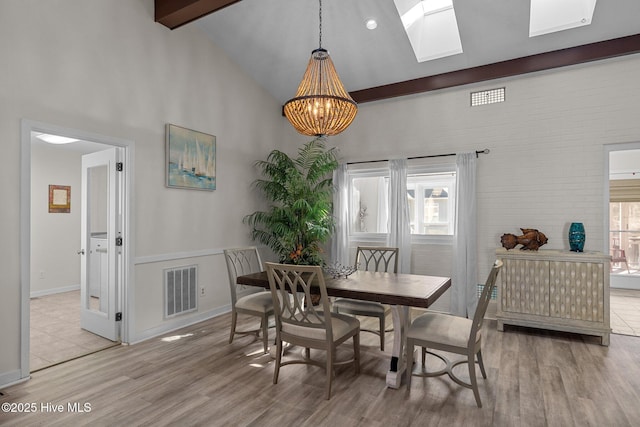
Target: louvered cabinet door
576 290
557 290
525 286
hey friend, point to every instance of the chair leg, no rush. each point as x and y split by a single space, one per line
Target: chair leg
382 326
330 356
472 377
234 318
356 352
276 369
480 362
409 371
265 333
424 356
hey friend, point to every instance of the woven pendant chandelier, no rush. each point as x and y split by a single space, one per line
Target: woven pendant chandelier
321 105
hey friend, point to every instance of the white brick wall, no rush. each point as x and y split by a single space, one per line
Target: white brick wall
546 165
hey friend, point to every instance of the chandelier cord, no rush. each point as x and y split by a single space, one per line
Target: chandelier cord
320 13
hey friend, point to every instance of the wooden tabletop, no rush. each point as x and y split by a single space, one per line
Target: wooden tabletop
396 289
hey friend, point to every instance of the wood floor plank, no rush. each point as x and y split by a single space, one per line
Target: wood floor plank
193 377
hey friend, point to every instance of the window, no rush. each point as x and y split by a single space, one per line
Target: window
624 230
624 223
430 195
431 203
368 202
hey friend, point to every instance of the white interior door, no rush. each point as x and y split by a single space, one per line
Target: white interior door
101 236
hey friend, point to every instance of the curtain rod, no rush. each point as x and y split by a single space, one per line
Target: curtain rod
485 151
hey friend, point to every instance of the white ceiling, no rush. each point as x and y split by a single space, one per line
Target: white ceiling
272 40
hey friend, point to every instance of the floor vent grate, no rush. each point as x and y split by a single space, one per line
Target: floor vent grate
180 288
494 291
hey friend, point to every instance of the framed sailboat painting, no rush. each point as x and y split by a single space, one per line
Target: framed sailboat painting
191 159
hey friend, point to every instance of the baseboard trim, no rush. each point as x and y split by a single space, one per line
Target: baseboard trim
36 294
621 281
178 324
11 378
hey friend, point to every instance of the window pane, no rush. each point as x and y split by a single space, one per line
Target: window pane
431 203
624 228
369 204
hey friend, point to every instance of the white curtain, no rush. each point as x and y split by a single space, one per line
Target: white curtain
464 296
383 206
340 239
399 229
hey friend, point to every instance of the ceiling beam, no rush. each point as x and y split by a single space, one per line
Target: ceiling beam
176 13
528 64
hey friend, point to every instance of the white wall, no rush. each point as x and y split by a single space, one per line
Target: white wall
55 263
105 67
546 165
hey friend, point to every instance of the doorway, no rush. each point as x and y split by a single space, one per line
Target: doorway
623 235
54 246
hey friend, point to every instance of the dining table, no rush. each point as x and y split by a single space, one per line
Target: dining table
398 290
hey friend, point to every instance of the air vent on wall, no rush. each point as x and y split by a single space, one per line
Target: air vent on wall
485 97
180 285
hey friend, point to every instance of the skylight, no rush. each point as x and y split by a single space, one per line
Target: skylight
550 16
431 26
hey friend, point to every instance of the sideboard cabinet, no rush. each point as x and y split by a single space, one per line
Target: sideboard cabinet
557 290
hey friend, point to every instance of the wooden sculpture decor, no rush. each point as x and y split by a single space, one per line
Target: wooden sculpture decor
531 240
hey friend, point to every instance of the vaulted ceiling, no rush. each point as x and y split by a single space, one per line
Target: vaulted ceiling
272 41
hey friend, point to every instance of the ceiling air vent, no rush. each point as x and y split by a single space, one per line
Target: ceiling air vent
485 97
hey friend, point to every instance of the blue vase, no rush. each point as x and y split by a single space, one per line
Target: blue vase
576 237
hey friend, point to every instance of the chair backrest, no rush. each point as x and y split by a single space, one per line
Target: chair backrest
618 255
377 258
241 261
291 288
483 301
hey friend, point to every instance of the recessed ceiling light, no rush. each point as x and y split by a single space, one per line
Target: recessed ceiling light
56 139
371 24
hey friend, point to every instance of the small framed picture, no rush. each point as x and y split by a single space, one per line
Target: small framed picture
59 199
191 159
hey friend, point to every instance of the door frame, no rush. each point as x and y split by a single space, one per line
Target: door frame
609 148
125 301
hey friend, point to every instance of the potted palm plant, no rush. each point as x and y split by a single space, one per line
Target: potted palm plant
300 191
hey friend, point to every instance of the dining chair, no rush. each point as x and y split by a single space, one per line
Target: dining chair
241 261
452 334
370 258
618 256
300 323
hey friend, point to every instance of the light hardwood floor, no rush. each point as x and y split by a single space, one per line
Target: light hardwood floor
625 311
55 333
194 377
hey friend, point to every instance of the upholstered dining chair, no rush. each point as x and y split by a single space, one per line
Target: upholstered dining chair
452 334
303 324
370 258
241 261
